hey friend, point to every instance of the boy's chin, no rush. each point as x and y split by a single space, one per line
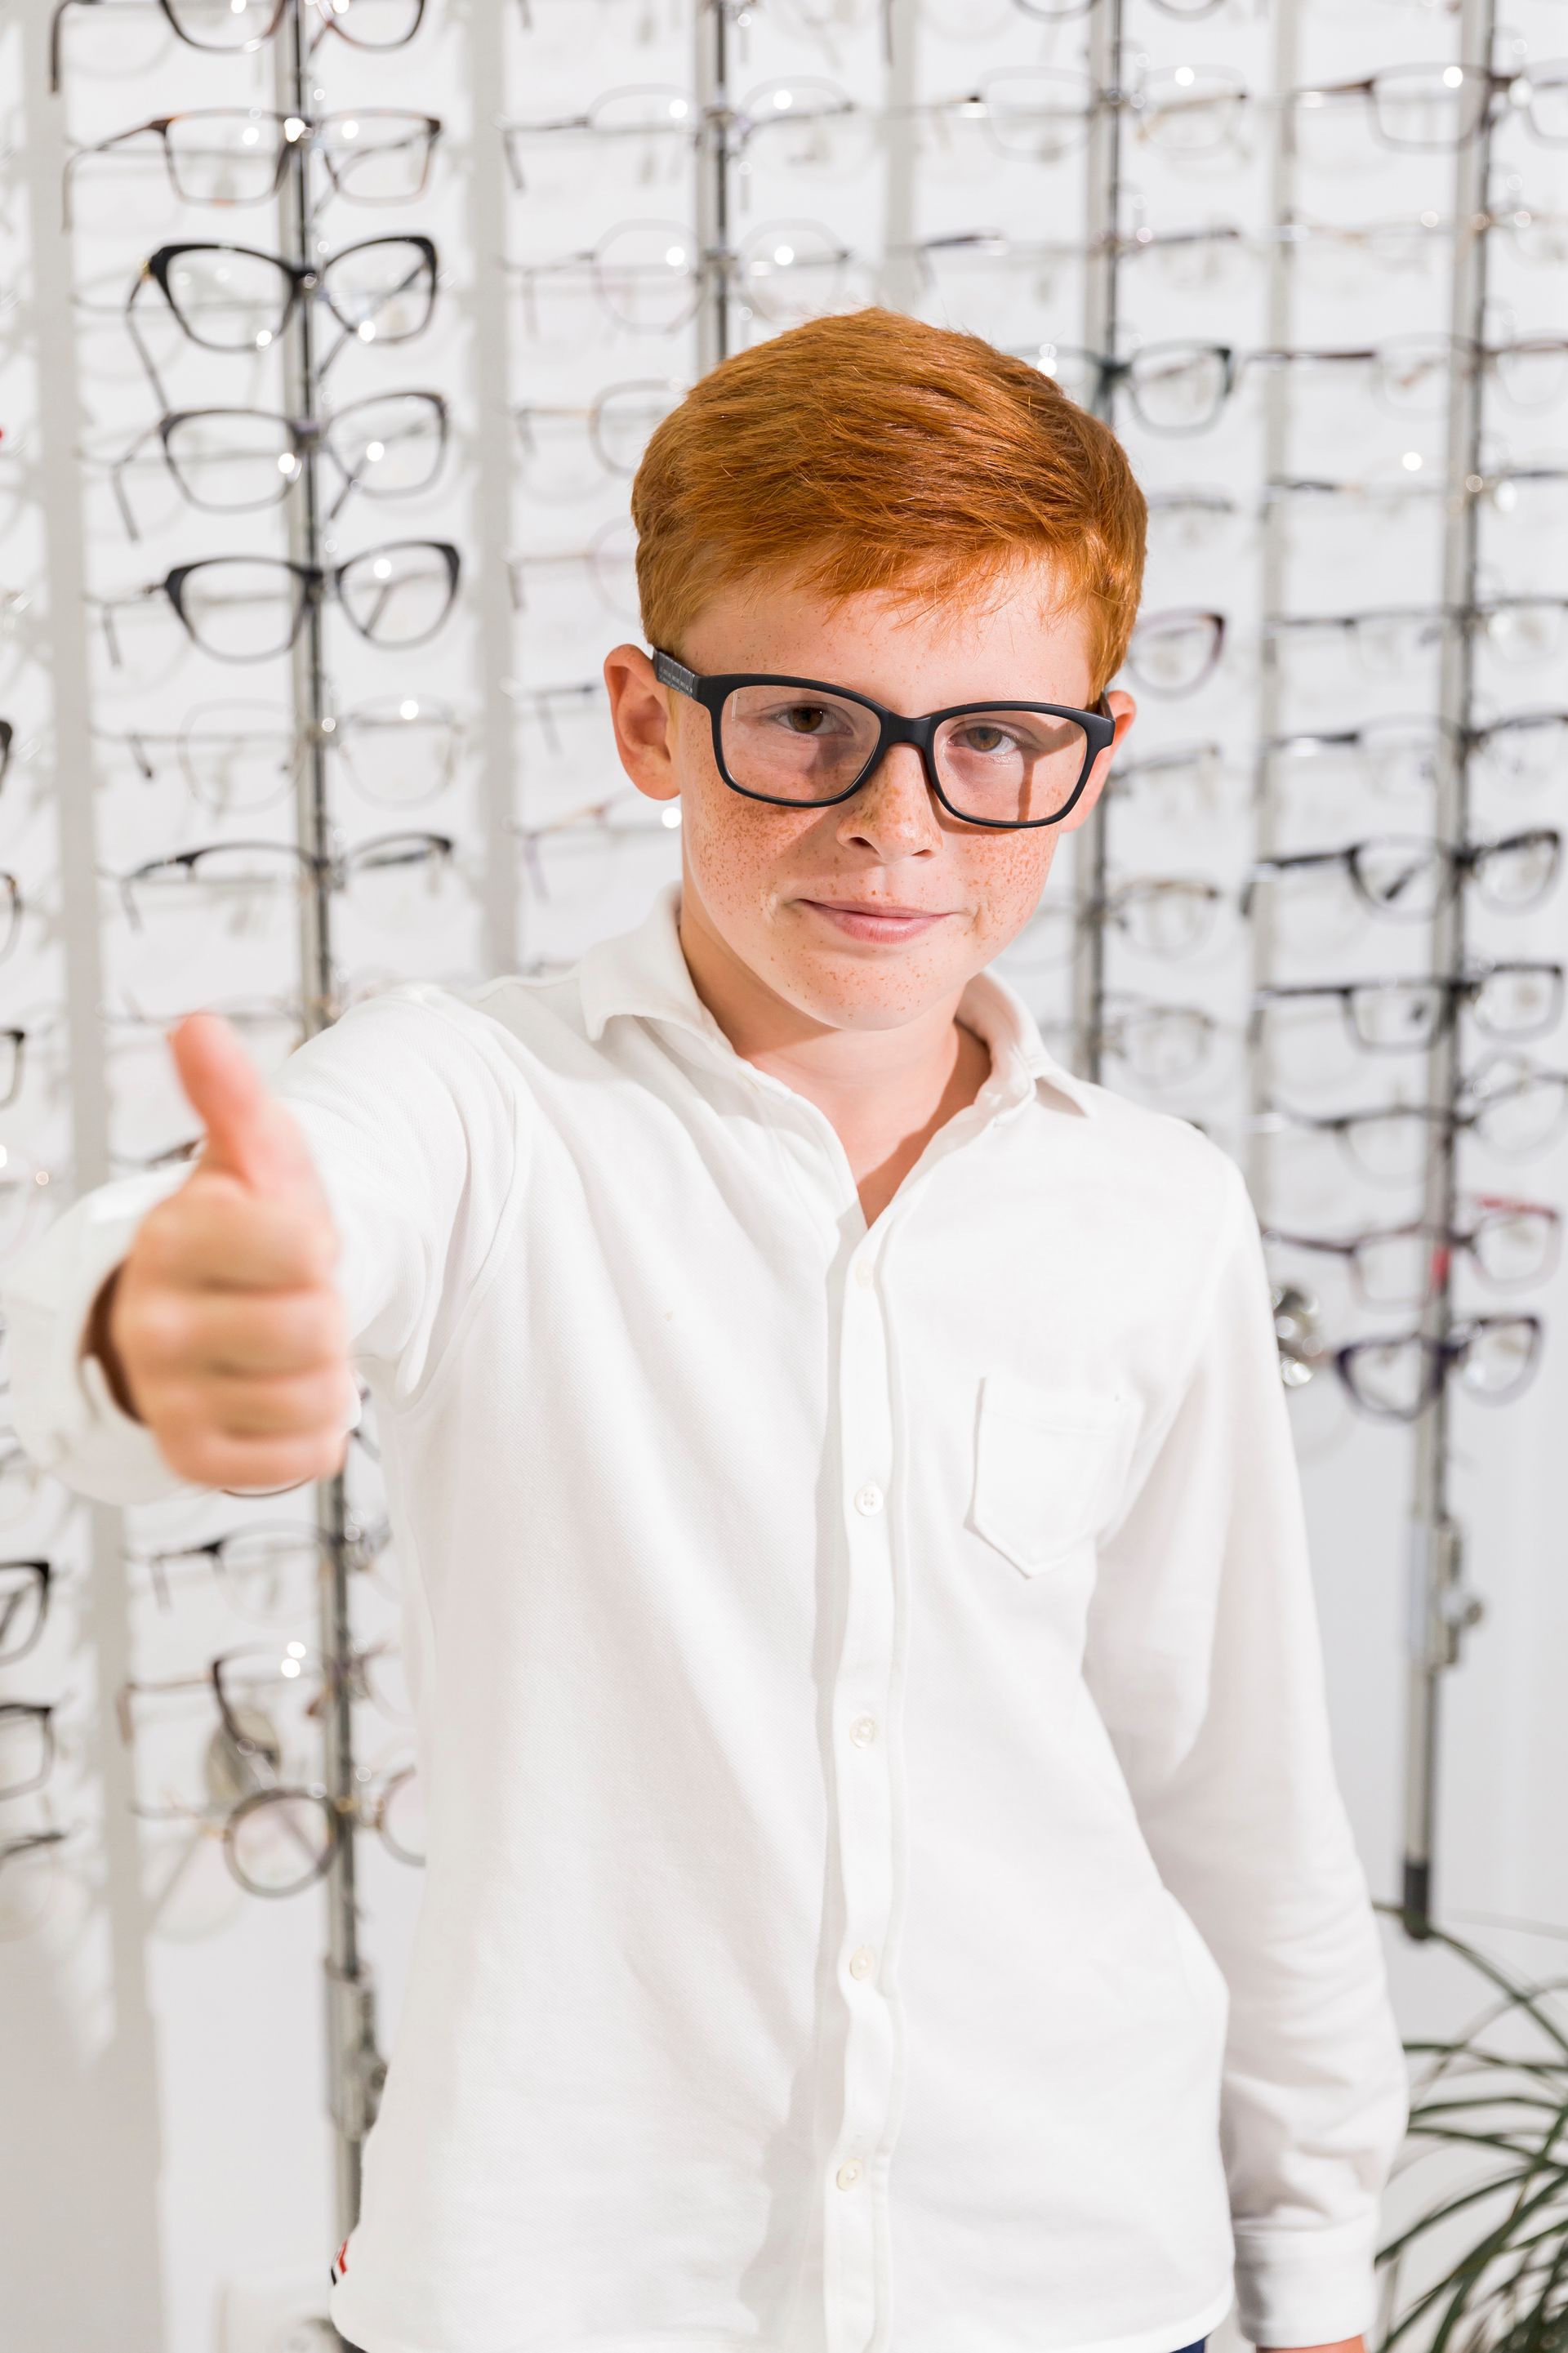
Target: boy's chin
884 994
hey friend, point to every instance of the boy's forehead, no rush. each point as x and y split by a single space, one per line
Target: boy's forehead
1017 613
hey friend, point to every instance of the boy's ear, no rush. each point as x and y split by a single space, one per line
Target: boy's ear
1124 710
643 720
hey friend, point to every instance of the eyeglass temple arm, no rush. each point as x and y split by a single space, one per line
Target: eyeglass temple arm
116 479
144 278
54 21
669 672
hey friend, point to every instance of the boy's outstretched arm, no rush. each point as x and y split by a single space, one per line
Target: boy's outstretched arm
1204 1657
197 1326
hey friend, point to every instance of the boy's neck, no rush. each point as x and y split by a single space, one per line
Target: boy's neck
885 1092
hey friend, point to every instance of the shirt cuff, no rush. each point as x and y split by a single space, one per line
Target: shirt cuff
64 1412
1305 2286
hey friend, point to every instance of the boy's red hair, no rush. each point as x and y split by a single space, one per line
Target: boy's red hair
873 452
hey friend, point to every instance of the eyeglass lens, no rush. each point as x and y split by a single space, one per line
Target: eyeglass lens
998 766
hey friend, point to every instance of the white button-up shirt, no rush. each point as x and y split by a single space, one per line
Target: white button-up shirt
888 1887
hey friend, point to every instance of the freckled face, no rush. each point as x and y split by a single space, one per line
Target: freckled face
772 883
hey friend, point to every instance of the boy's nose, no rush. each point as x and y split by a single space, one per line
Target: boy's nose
894 812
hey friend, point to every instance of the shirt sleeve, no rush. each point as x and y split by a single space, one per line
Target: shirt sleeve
412 1120
1205 1658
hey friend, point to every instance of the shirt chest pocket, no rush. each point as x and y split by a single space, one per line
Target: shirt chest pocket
1049 1467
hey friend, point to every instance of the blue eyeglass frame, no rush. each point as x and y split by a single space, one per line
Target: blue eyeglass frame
892 727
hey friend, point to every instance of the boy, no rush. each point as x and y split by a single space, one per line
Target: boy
888 1888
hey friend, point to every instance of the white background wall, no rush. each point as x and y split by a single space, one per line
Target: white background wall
164 2181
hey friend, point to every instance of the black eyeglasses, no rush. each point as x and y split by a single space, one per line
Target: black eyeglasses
251 607
244 25
799 743
1409 877
26 1746
12 1043
1397 1378
238 154
232 298
234 461
1505 1000
1507 1243
24 1605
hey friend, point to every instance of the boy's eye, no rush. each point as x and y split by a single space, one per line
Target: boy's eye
806 718
981 735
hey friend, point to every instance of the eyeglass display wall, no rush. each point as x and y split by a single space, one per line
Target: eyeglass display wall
332 333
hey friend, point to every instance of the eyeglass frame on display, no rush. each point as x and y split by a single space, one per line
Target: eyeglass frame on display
42 1712
1465 1115
591 412
1439 1358
1455 992
723 264
360 1543
1461 866
332 21
316 583
1282 626
335 733
1443 1239
303 283
1312 95
303 433
293 129
42 1573
336 865
736 126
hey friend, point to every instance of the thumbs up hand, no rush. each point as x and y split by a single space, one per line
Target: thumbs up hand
223 1329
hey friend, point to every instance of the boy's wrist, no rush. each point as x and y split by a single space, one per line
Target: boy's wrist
97 1341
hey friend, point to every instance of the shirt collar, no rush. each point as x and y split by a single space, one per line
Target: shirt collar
644 972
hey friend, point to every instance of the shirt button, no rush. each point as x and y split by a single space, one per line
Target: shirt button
848 2173
869 1499
864 1274
862 1962
863 1731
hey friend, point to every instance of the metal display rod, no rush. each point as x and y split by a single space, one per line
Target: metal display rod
355 2071
1273 595
1441 1607
1100 329
713 254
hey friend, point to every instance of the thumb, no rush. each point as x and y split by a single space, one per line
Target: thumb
249 1134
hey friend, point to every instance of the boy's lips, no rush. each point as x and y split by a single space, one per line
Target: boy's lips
874 918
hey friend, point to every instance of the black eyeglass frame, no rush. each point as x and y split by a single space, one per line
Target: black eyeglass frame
40 1576
302 283
42 1714
311 583
892 727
